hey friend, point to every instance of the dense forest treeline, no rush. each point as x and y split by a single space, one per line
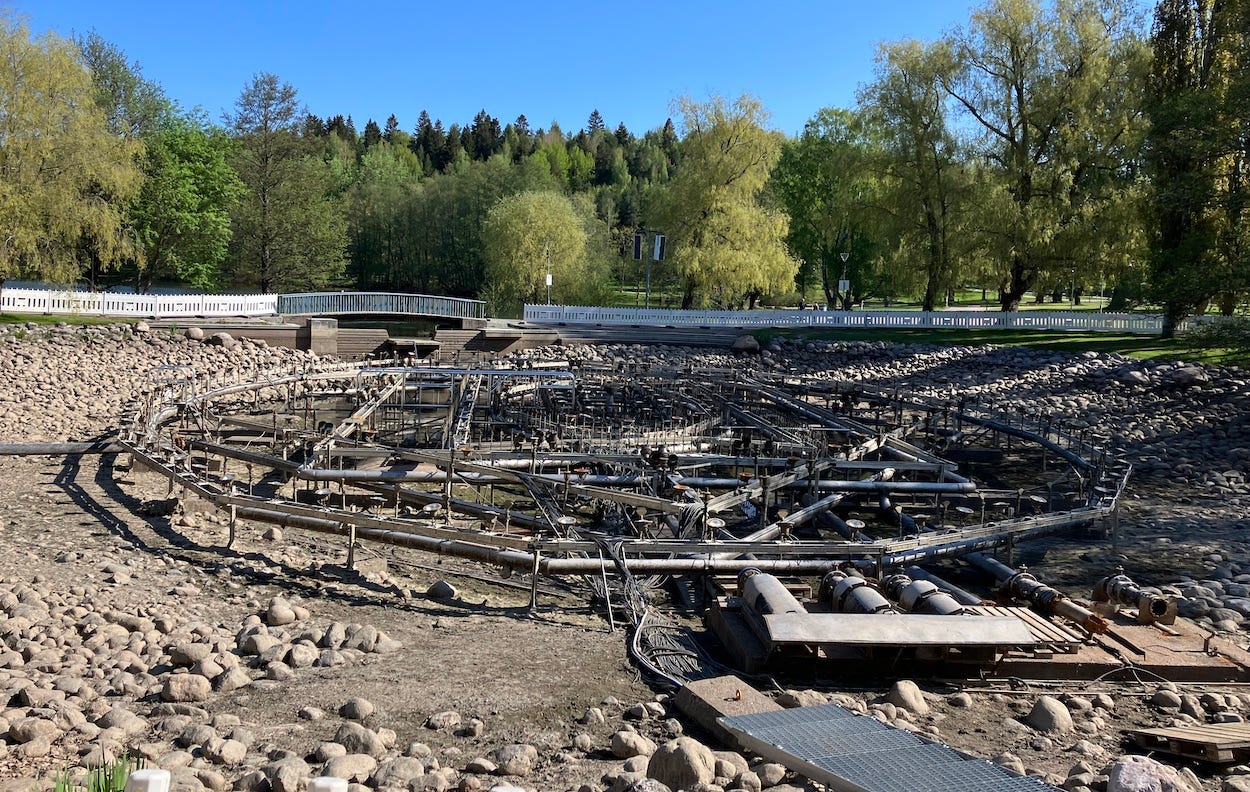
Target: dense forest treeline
1044 148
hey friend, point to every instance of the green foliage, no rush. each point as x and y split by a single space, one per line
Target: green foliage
528 236
924 197
827 180
724 242
289 232
110 777
182 215
1053 95
1231 333
65 177
1198 101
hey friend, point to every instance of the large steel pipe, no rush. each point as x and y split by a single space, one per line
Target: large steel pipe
765 594
961 596
1119 589
920 596
850 593
60 449
491 555
1021 585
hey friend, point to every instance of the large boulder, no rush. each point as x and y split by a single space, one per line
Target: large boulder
745 345
626 744
186 688
906 694
354 767
1143 774
1050 715
682 763
514 760
399 772
357 739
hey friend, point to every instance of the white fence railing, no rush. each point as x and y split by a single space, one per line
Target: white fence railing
48 301
1086 321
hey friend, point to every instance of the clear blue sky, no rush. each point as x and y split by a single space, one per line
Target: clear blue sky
550 61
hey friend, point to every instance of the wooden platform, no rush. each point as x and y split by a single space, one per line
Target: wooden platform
1182 652
1051 636
1224 743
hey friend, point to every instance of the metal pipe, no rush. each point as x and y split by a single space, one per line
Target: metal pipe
961 596
332 474
1021 585
920 596
514 559
851 593
1120 589
765 594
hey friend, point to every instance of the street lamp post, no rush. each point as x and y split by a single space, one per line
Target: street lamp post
548 255
655 254
844 284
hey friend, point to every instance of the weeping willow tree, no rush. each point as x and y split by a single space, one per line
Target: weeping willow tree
724 242
65 178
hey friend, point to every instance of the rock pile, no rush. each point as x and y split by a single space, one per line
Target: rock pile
73 382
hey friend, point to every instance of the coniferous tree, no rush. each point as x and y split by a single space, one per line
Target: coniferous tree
289 233
373 134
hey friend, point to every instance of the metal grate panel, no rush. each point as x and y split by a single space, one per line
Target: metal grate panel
765 720
818 746
834 746
846 727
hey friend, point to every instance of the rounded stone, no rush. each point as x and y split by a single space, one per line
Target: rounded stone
682 763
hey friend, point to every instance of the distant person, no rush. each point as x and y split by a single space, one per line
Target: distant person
802 304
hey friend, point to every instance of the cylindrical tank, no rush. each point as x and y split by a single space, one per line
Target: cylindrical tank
765 594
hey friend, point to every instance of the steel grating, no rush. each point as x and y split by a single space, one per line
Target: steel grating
819 746
831 728
858 753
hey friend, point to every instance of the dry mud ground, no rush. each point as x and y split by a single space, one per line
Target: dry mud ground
74 532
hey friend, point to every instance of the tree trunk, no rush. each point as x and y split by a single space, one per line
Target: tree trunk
1020 282
687 298
1173 315
1119 299
824 281
1227 302
930 294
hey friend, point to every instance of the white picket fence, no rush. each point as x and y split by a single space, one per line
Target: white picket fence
48 301
1083 321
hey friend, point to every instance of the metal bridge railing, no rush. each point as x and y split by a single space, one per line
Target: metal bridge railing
329 303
